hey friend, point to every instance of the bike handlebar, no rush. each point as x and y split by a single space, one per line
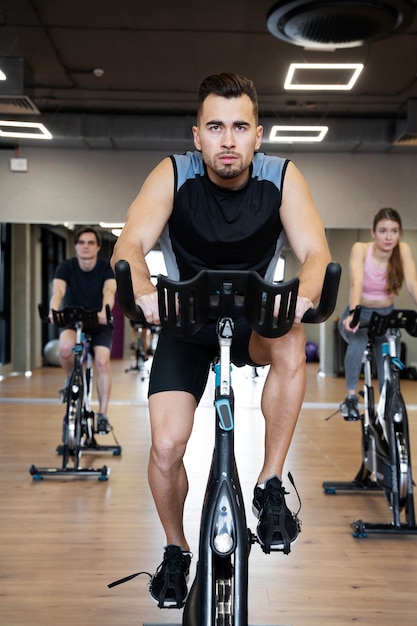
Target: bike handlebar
378 325
185 306
72 314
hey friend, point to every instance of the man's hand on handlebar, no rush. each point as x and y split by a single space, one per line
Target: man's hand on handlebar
303 305
149 305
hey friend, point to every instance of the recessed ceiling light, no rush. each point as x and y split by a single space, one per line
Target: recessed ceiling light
322 76
2 75
112 224
23 130
292 134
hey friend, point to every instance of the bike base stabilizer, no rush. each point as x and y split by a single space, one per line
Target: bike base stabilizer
38 473
362 529
93 446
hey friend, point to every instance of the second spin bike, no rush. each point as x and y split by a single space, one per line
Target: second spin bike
78 428
386 454
219 593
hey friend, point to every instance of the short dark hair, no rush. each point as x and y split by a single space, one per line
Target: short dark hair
227 85
87 229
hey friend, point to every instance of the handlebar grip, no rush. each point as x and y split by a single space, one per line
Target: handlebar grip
356 315
125 292
43 313
328 297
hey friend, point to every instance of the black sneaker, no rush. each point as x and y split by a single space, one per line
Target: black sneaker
277 526
168 586
103 424
349 409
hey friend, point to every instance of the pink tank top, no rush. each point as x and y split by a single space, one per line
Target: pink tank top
374 280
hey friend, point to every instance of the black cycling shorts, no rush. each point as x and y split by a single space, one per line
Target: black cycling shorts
183 363
101 335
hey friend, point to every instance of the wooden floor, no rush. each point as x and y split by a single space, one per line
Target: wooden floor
63 540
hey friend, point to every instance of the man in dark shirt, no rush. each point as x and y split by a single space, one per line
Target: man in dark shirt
87 281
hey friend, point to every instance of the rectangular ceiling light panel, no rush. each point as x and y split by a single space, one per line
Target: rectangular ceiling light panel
24 130
292 134
322 76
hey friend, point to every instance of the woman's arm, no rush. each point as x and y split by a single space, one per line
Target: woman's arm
409 269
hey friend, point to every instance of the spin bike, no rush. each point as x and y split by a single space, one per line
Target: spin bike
219 593
386 456
141 351
79 422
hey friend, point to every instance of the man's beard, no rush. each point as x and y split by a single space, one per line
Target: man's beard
228 172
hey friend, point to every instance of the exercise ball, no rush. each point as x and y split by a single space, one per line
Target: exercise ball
312 352
51 352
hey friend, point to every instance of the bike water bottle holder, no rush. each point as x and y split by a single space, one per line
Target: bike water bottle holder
184 307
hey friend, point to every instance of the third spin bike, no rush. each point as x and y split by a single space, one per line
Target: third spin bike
219 593
79 426
386 455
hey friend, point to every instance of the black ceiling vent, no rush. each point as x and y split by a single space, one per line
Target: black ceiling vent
343 24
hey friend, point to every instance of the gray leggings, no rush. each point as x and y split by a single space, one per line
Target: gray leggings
357 344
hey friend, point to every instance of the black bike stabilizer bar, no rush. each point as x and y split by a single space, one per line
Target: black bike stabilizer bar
185 306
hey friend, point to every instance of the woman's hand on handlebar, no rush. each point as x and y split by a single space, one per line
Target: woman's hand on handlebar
149 305
352 323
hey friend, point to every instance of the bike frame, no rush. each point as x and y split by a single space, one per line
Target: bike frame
224 537
78 425
386 455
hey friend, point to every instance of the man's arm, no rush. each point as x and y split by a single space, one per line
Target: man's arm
306 236
109 292
145 221
59 289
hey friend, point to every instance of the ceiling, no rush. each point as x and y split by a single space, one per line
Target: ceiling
123 74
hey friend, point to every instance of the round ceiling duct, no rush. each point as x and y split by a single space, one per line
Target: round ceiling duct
343 24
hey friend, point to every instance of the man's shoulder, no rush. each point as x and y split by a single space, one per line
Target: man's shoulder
187 166
190 159
65 270
268 166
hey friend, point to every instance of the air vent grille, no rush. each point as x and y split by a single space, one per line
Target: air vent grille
17 105
343 24
407 139
335 29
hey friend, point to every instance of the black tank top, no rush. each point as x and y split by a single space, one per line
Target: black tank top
215 228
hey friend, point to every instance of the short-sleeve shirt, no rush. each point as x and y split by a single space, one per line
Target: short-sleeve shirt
84 288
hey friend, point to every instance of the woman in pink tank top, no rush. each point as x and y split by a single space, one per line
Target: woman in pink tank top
377 271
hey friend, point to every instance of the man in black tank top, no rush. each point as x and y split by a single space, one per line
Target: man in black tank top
222 207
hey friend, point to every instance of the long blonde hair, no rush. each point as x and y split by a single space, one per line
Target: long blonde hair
395 273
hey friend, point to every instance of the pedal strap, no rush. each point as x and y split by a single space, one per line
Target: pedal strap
127 578
170 584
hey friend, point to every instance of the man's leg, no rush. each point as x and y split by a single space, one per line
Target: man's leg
66 355
282 397
104 380
172 416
